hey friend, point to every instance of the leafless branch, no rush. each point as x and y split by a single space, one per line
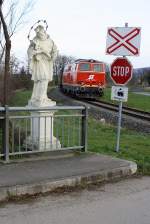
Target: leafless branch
26 10
10 25
14 18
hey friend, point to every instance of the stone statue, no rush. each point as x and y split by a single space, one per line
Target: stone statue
41 53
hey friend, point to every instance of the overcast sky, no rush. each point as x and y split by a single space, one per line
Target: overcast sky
79 27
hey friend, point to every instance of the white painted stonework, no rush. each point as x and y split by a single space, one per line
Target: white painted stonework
42 138
41 53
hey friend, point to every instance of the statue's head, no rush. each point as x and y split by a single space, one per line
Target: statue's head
40 32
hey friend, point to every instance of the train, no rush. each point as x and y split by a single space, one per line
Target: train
84 77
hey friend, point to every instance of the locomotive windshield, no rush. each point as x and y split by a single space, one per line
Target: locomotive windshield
91 67
97 68
84 67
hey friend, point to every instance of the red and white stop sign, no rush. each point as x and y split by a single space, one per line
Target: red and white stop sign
121 71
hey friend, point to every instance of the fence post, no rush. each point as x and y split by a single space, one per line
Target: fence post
84 128
6 135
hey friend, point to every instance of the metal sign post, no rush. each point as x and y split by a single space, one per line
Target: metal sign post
119 126
122 41
120 94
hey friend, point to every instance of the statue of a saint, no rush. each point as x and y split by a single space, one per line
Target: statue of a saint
41 53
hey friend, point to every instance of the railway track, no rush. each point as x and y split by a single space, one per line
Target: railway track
143 115
132 112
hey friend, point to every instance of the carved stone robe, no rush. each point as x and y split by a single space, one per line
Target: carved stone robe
41 54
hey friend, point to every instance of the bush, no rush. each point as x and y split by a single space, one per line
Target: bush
22 81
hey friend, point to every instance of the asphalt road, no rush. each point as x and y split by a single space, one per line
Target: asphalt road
125 202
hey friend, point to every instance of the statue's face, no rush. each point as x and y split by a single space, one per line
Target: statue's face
40 33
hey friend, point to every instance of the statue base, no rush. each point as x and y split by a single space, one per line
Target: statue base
41 130
41 103
42 145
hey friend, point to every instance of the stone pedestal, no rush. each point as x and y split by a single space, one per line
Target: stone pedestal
41 136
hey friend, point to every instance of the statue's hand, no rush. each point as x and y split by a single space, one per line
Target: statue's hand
35 52
39 51
47 54
37 57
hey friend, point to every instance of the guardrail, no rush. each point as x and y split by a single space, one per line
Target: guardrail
27 130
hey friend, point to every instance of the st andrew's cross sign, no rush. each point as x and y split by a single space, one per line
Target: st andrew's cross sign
123 41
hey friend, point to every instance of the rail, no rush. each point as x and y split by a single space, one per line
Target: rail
126 110
28 130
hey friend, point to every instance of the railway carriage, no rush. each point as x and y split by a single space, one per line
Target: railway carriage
84 78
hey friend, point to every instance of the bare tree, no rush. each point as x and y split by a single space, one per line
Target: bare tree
14 65
59 65
10 21
14 17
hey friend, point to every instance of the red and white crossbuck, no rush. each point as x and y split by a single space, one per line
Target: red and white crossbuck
123 41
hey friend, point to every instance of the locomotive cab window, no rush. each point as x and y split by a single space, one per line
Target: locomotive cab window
84 67
97 68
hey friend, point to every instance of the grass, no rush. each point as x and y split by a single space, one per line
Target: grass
133 146
20 98
102 138
134 100
137 101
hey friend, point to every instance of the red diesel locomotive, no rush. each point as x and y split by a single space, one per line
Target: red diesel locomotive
84 78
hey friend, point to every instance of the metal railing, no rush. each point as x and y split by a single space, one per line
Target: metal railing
26 130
